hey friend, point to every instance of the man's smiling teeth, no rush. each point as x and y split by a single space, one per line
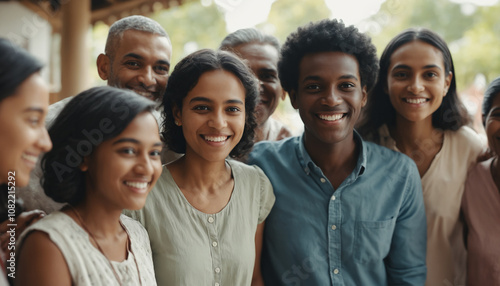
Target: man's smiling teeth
216 138
30 158
333 117
137 185
415 100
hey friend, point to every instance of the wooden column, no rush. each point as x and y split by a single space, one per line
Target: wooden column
75 48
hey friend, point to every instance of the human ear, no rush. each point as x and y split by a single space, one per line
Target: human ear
84 166
103 66
447 82
176 112
365 96
283 94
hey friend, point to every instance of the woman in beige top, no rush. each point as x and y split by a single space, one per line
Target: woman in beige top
105 158
206 216
414 109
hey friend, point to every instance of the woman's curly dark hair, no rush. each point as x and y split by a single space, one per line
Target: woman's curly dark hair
327 36
451 115
90 118
185 77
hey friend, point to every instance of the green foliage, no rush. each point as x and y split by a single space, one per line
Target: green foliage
478 51
287 15
473 38
203 27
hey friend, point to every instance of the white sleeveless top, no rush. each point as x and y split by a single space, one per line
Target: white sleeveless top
87 265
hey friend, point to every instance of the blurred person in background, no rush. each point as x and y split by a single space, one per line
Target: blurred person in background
24 101
481 201
261 53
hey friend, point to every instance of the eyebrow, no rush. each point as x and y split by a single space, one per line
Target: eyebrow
406 67
315 77
132 140
204 99
268 70
139 57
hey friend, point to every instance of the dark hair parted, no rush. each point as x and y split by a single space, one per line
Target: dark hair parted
326 36
451 115
185 77
491 92
93 116
17 66
248 36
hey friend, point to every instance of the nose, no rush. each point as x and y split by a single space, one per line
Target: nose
217 120
144 165
416 85
331 98
44 142
147 77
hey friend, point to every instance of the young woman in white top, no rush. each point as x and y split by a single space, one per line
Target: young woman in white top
414 109
105 158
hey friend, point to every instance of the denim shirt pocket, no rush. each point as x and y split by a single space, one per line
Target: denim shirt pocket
372 239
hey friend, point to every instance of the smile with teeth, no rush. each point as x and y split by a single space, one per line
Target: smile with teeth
148 94
415 100
137 185
333 117
30 158
216 138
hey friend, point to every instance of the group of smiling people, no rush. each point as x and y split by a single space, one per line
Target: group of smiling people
385 186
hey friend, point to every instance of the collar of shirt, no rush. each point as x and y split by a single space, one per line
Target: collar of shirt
308 165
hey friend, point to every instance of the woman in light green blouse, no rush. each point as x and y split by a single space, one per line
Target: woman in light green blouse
205 217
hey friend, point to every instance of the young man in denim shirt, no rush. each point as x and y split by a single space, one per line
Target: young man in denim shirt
347 212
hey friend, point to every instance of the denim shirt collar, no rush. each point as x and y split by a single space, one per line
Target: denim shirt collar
307 163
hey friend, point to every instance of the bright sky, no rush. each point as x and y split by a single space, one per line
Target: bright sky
248 13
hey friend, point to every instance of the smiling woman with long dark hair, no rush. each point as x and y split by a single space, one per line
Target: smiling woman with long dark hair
206 215
106 158
24 100
414 108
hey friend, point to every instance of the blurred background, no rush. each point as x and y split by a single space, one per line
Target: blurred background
68 35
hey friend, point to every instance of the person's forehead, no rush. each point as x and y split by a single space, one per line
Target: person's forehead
332 62
258 51
145 43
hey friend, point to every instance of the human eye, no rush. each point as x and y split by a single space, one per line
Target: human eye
132 64
162 69
34 121
347 86
431 74
400 75
312 87
155 153
233 109
201 108
267 77
127 151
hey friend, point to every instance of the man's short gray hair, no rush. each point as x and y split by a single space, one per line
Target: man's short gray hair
247 36
137 23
